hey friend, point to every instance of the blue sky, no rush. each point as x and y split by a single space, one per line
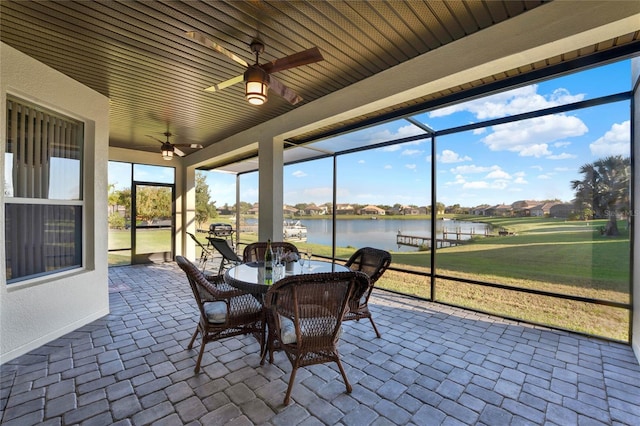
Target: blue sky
534 159
120 174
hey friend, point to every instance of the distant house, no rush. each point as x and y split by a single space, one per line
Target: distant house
372 210
408 210
524 204
403 210
254 210
313 210
523 207
225 211
542 210
393 211
289 210
480 210
562 210
327 208
499 210
345 209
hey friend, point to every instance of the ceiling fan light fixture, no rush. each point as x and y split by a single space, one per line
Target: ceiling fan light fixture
256 85
167 151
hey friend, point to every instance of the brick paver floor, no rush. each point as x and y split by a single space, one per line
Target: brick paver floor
433 365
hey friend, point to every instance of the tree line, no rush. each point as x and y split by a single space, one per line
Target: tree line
602 192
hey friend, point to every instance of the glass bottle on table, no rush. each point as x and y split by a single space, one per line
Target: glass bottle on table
268 264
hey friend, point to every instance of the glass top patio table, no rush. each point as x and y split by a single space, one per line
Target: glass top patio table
248 276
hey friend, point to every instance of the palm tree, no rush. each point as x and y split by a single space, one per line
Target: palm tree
604 189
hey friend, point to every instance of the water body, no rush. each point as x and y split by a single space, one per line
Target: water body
382 233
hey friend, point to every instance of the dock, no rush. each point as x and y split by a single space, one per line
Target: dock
449 238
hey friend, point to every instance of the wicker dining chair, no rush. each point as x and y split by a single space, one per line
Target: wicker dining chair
373 262
306 314
254 252
224 310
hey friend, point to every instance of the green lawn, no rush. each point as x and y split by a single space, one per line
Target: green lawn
544 254
148 241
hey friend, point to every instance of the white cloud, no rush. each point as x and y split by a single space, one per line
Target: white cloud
470 169
561 144
615 141
410 166
479 131
449 156
361 161
385 135
512 102
544 177
531 138
498 174
411 152
388 166
460 179
563 156
500 184
476 185
496 179
535 150
298 174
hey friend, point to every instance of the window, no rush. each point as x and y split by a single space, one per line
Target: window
43 191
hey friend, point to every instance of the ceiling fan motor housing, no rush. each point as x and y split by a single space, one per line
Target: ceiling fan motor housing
257 47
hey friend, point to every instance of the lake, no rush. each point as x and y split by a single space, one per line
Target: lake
382 233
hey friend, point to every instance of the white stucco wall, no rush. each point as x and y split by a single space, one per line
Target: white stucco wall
635 128
35 312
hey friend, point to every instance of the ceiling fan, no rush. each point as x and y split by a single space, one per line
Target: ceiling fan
257 77
168 148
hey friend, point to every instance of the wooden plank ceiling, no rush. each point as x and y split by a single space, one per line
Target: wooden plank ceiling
136 53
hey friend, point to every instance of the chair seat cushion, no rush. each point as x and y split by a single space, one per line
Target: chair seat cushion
288 330
216 312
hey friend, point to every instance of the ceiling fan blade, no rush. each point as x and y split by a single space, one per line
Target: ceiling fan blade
305 57
225 84
177 151
282 90
153 137
215 46
188 145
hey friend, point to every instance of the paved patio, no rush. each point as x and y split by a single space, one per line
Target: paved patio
433 365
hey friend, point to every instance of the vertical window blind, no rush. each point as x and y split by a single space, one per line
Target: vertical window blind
43 191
